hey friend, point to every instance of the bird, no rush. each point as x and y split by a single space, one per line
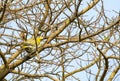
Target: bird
30 44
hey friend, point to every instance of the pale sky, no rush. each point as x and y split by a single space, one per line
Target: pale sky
109 5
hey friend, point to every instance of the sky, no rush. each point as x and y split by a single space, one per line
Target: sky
110 6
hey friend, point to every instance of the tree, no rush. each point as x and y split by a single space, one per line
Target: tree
75 45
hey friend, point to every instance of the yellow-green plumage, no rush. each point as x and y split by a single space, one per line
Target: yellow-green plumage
30 44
